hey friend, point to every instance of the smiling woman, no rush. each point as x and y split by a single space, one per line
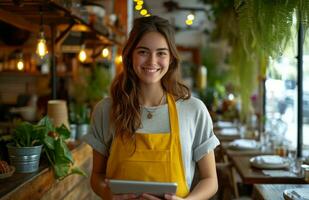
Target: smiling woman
151 128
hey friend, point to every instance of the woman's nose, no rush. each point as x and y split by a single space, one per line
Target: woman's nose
152 58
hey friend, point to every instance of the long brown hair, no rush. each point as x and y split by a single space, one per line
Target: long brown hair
125 113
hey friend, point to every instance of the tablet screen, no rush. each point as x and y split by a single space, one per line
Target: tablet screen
139 187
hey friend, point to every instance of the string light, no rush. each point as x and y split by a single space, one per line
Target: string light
190 18
144 12
138 7
189 22
140 2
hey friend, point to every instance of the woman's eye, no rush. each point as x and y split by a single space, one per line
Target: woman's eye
162 53
142 52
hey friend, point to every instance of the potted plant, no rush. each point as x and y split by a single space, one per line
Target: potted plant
25 152
80 117
47 137
253 41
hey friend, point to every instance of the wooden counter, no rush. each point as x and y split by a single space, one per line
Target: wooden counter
43 185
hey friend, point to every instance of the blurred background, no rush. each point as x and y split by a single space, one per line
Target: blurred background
247 60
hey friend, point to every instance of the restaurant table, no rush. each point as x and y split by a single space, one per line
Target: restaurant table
270 192
251 175
248 152
226 154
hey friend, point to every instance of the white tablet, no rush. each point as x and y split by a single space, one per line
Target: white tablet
139 187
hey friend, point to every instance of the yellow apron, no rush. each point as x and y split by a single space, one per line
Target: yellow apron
153 157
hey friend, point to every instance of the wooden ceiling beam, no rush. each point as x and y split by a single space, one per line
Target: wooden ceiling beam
18 21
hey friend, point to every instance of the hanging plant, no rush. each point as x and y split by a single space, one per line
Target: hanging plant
256 31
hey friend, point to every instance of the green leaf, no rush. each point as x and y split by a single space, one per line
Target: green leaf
46 122
25 134
63 131
61 170
62 153
49 142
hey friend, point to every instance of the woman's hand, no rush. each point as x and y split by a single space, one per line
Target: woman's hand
124 197
166 196
172 197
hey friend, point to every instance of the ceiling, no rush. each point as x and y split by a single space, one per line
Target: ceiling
190 36
179 9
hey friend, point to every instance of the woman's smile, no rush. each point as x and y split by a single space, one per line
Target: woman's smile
150 70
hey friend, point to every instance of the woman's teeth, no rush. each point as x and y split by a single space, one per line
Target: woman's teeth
151 70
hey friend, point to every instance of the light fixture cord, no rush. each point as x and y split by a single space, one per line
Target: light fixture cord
41 20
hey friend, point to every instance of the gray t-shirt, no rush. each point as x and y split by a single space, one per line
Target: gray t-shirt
196 129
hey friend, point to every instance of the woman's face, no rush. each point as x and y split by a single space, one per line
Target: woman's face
151 58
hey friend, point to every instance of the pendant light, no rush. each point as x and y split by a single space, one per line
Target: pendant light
105 53
20 62
41 49
82 56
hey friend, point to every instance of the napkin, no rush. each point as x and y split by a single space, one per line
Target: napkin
229 131
224 124
244 143
270 159
279 173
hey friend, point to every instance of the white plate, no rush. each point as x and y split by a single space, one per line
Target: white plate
244 144
10 173
296 194
229 131
255 162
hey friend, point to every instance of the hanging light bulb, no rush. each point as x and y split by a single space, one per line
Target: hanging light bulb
20 63
41 49
82 56
105 53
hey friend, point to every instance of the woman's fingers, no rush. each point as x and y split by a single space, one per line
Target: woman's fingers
171 197
124 196
149 197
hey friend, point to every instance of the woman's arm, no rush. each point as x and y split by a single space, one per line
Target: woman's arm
97 180
208 184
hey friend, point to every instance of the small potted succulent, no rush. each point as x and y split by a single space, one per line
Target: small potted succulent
30 139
